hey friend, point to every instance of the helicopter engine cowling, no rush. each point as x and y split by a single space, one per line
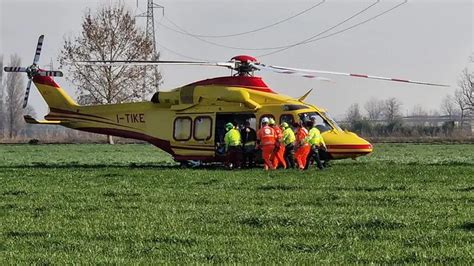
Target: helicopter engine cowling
166 98
193 95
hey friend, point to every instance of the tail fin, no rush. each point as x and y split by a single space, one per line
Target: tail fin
53 94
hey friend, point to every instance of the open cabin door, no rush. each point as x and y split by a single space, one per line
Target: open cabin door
237 119
193 136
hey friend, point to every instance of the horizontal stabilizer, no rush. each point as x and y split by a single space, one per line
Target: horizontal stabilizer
30 120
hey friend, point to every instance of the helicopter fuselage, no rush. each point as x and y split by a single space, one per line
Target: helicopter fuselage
188 122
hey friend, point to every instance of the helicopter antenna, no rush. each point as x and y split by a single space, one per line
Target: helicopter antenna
150 34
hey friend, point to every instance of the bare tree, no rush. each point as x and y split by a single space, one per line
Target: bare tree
466 85
14 90
418 110
353 114
448 106
374 109
392 110
2 105
109 34
461 105
418 114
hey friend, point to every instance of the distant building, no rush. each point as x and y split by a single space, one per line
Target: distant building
439 121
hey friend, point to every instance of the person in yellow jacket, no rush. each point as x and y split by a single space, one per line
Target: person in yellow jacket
233 146
315 139
288 140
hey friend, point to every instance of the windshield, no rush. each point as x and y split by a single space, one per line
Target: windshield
328 117
321 123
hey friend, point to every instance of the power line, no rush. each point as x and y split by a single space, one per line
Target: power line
314 39
311 39
179 54
183 31
274 47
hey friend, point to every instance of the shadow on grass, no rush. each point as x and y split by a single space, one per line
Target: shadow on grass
467 226
307 248
77 165
377 223
259 221
283 187
463 189
372 188
15 193
25 234
173 240
115 194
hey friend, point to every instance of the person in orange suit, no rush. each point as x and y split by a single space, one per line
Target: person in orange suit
302 146
266 139
277 155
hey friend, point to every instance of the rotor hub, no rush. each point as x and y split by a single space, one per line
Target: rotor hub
244 65
32 71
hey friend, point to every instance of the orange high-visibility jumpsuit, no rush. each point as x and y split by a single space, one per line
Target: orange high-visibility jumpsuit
303 147
266 136
277 156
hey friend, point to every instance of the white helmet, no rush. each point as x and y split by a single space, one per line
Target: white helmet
265 120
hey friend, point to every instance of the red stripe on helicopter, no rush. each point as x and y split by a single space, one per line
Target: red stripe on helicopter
350 146
349 153
61 111
359 75
45 81
81 119
400 80
254 83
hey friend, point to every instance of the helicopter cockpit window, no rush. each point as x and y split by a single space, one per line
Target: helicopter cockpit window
331 120
292 107
321 124
202 128
182 128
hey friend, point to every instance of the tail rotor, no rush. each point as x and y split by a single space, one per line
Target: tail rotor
34 70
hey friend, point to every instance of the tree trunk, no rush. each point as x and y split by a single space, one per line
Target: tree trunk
110 140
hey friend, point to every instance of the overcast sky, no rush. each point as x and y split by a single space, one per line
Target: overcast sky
421 40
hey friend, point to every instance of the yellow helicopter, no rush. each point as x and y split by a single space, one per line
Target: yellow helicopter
188 122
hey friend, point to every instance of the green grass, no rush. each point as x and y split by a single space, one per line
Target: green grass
405 203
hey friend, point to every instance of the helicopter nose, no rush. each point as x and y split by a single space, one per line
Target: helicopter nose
350 146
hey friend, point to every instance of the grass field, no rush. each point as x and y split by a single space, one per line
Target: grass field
405 203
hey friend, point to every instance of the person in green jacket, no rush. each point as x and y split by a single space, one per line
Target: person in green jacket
288 140
233 145
315 139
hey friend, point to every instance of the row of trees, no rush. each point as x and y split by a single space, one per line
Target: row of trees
385 117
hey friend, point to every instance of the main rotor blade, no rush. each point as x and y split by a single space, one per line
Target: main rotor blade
27 94
301 74
38 50
50 73
290 70
153 62
14 69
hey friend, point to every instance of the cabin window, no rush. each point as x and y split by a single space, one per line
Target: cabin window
288 118
202 128
182 128
321 123
293 107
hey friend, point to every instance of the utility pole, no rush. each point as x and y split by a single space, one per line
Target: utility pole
150 34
